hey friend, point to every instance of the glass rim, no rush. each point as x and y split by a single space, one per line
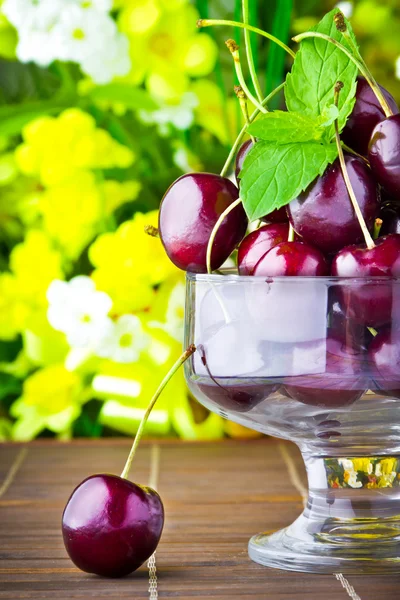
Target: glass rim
231 276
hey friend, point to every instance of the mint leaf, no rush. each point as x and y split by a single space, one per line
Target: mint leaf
317 67
275 174
284 127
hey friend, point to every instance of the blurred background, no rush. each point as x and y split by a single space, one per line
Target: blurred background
102 105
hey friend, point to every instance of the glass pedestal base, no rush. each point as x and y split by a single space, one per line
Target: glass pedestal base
351 523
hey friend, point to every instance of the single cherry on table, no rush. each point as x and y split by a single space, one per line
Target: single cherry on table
367 113
189 210
111 526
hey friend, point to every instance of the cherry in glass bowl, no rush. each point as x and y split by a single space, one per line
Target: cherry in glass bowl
292 358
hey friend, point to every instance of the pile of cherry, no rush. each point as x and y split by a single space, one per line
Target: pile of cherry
361 342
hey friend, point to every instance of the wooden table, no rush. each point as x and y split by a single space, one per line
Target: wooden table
216 496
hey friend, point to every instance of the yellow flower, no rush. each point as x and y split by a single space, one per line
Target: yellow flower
51 399
12 314
363 464
55 148
388 465
129 263
215 113
166 47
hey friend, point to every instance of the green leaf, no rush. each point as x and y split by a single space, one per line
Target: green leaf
132 97
274 174
317 67
284 127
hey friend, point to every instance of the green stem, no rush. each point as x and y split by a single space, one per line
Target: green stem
188 352
249 52
212 22
291 233
234 50
367 236
242 132
215 231
363 70
241 96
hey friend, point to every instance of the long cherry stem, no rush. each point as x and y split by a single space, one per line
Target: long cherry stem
234 50
242 132
249 52
188 352
241 96
291 233
215 231
367 236
212 22
363 70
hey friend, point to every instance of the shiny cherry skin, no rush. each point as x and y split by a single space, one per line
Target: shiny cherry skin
279 215
371 302
353 335
323 214
276 216
240 156
292 259
188 212
384 154
258 243
342 383
367 113
111 526
384 361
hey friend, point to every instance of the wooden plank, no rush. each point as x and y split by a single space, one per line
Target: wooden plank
216 496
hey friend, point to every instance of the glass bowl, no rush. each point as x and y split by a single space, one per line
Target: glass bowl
316 361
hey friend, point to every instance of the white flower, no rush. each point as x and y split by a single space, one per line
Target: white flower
179 116
125 341
80 311
36 46
346 463
80 32
397 67
38 15
111 61
100 5
346 8
352 480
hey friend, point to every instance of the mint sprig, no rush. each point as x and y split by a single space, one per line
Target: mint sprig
294 147
273 174
317 67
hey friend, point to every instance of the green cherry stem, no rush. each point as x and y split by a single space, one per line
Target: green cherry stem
212 22
367 236
360 65
249 52
377 227
234 50
291 233
242 132
215 230
241 96
188 352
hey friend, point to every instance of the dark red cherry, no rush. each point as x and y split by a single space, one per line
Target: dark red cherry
279 215
384 361
353 335
342 382
323 214
367 113
240 156
188 213
384 154
369 302
292 258
258 243
111 526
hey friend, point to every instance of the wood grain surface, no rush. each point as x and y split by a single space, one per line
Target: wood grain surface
216 496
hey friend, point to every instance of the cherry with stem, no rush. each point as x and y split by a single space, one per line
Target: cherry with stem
367 236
